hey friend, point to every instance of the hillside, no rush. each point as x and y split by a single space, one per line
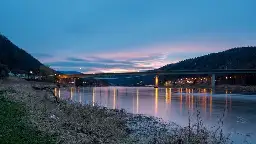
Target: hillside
17 59
235 58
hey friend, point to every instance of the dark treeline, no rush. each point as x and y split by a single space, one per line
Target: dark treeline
236 58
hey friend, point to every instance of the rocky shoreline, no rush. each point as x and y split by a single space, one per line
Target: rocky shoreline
70 122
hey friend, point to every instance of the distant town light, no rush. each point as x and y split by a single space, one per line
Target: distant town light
31 72
226 77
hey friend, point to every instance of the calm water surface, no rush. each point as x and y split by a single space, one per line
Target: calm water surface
175 105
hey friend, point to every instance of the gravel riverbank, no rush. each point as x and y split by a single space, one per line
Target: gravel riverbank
71 122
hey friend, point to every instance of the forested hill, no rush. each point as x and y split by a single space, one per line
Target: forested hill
235 58
17 59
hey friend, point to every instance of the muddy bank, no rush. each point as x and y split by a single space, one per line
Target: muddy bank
71 122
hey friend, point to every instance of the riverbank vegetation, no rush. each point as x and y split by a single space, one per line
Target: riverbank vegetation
14 127
68 122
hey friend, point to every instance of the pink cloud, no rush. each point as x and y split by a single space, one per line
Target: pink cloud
163 49
153 56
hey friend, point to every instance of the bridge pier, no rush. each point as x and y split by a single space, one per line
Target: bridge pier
156 81
213 81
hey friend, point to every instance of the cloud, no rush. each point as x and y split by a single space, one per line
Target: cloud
75 59
132 59
42 55
96 64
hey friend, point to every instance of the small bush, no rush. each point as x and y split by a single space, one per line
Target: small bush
4 71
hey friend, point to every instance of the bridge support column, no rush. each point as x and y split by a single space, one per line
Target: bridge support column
213 81
156 81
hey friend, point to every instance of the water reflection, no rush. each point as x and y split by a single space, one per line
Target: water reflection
187 99
171 104
59 93
168 95
93 96
181 101
114 99
71 93
156 101
137 101
55 92
210 105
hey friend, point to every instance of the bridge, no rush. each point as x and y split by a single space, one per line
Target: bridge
171 72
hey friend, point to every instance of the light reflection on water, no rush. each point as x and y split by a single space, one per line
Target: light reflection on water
173 104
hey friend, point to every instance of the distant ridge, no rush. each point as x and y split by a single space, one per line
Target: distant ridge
235 58
17 59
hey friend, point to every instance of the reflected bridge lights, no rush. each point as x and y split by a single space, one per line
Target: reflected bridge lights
167 95
114 99
137 101
156 101
93 96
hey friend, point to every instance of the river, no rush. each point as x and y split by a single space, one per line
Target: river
237 111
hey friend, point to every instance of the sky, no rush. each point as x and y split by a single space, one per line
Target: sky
125 35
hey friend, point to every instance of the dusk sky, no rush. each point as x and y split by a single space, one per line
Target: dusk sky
125 35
